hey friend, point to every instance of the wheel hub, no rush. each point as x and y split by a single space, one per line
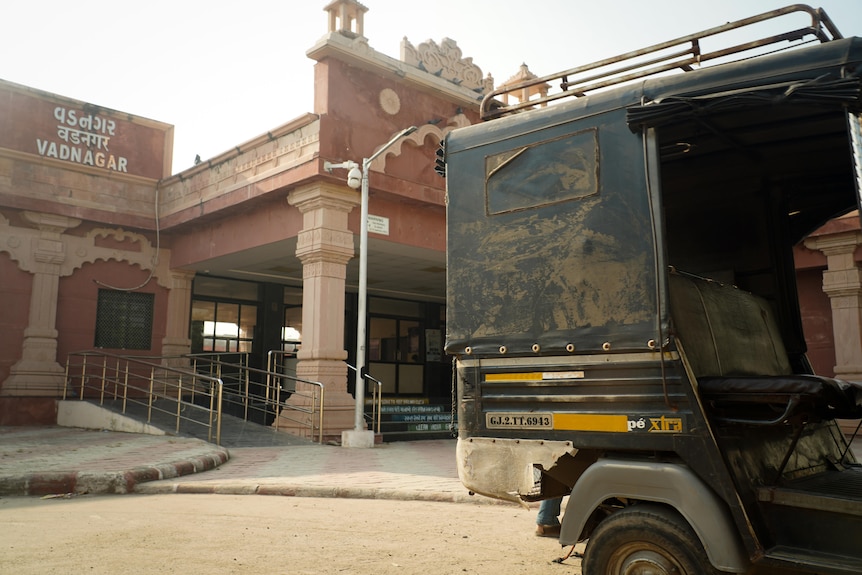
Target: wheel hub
647 562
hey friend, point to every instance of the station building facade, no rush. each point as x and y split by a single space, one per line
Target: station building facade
102 246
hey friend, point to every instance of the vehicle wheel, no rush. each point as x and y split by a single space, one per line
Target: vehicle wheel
645 540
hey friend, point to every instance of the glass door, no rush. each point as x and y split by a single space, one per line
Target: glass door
395 354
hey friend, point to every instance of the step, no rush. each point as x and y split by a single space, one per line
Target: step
405 419
818 562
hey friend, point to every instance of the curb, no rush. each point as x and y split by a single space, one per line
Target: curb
109 482
297 490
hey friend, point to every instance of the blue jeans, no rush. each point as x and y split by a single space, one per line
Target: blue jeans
549 512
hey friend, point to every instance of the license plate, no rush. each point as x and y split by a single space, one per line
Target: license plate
519 420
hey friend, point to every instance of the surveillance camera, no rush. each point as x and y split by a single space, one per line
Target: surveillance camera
354 178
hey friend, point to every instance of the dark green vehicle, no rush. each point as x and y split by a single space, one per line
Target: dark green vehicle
623 310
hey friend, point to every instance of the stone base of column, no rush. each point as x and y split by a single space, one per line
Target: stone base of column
339 409
338 416
848 373
363 438
35 379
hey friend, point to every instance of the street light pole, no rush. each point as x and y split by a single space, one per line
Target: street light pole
361 436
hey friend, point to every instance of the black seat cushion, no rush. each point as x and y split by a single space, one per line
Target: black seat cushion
825 397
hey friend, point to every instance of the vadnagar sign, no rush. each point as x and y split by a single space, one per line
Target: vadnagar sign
67 130
85 140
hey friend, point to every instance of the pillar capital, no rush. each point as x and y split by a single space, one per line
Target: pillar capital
842 278
842 282
181 279
322 245
51 224
839 244
325 236
324 195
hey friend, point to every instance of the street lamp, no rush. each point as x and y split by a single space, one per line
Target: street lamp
360 435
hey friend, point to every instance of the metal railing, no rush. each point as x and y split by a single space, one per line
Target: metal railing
137 384
197 389
680 54
376 398
309 394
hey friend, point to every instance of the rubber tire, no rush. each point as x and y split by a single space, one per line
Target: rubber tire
645 539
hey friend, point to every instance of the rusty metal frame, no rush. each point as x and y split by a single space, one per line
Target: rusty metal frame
626 67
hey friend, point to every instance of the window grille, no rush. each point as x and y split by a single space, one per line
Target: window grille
124 320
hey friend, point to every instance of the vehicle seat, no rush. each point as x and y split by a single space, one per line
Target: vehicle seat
732 343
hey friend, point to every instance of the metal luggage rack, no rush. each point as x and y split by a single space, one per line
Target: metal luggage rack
686 53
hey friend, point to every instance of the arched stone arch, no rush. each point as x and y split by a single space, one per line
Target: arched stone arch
417 138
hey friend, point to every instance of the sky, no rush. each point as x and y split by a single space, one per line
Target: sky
223 73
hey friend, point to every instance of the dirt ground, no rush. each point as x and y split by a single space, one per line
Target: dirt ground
221 534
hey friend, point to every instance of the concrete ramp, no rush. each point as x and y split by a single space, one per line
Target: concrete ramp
86 415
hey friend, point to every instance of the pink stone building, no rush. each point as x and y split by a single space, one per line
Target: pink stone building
265 238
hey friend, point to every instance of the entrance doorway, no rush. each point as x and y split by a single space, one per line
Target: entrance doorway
247 319
396 348
394 354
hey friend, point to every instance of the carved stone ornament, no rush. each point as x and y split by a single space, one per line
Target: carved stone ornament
389 101
446 62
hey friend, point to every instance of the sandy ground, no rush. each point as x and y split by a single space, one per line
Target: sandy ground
217 534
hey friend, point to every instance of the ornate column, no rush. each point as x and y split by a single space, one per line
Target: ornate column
324 246
842 282
37 373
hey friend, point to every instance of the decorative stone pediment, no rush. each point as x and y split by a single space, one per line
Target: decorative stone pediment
445 60
49 245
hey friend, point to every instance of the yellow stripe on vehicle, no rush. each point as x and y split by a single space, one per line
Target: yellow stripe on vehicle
513 376
590 422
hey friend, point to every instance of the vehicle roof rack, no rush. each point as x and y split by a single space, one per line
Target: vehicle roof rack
577 82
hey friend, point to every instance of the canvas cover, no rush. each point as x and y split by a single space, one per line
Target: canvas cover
550 237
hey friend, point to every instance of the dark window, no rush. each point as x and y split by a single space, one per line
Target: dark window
124 320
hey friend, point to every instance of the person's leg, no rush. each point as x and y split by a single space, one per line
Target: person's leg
547 521
549 512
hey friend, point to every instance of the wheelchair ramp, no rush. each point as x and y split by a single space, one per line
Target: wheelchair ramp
235 432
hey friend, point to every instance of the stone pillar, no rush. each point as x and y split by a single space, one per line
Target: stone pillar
842 282
37 373
176 341
324 246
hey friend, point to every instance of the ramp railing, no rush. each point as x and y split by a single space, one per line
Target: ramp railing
261 395
306 408
187 397
376 397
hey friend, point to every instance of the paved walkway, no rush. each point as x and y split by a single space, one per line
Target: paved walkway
62 461
417 470
58 460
